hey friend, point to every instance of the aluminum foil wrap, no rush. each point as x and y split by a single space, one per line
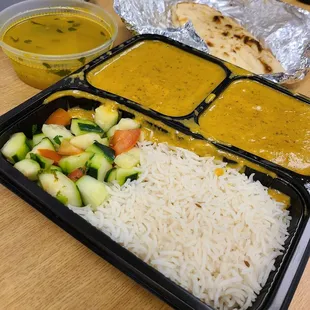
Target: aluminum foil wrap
283 28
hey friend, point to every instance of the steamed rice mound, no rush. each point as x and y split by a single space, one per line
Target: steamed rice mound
216 236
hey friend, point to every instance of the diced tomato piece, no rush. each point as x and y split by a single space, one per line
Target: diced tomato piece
59 117
124 140
67 149
50 154
77 174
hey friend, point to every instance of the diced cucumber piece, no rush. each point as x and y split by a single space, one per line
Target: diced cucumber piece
135 152
30 143
84 141
129 159
56 133
104 141
16 148
70 163
29 168
126 161
110 175
57 140
82 126
112 130
122 175
45 163
60 187
106 117
37 138
124 124
55 168
98 167
44 144
98 148
128 123
93 192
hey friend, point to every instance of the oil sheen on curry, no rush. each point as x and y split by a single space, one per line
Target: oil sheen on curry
261 121
159 76
56 34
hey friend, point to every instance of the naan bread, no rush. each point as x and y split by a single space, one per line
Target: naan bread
226 39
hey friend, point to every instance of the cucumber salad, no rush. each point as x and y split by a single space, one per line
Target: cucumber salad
73 159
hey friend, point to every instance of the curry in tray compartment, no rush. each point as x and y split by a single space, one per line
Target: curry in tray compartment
261 121
56 34
159 76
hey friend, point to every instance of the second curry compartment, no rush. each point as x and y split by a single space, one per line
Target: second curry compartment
262 121
159 76
251 114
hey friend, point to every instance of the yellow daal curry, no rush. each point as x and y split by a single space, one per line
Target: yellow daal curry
159 76
56 34
262 121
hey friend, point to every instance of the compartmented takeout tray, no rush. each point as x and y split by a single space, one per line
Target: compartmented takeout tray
281 283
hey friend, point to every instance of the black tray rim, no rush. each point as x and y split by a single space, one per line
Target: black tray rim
65 84
30 192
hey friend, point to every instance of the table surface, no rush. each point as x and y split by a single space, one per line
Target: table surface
42 267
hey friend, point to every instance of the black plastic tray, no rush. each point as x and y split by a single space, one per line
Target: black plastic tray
282 282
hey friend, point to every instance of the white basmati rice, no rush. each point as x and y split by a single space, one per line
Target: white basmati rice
216 236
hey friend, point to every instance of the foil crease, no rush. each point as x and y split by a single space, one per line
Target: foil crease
283 28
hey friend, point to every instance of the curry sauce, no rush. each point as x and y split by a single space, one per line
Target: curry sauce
279 197
262 121
159 76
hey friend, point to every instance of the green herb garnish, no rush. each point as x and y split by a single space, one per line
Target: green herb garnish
46 65
14 40
28 41
76 25
59 30
35 23
72 29
61 73
103 34
70 21
56 18
82 60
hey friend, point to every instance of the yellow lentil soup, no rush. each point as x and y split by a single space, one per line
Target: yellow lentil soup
262 121
159 76
46 42
56 34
